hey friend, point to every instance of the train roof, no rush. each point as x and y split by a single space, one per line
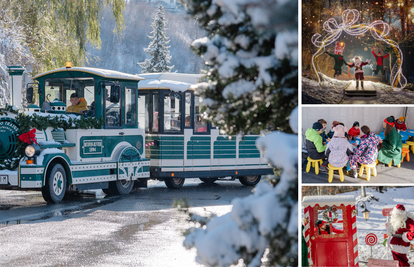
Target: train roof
178 82
99 72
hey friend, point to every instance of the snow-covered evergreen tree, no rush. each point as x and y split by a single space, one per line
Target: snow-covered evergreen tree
157 49
252 85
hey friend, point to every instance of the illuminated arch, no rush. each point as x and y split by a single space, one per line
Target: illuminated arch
349 18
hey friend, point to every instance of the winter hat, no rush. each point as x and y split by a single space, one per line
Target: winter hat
339 131
389 121
401 118
334 123
355 124
317 126
318 222
399 210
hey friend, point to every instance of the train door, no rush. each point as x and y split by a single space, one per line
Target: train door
330 231
171 128
199 146
149 121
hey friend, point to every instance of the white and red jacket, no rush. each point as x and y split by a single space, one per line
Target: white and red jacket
399 241
358 69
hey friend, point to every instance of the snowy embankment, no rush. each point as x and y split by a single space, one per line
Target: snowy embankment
331 91
376 221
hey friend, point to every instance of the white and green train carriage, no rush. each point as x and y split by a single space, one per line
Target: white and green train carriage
151 129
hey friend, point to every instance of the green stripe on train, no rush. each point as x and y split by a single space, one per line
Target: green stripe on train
199 147
225 148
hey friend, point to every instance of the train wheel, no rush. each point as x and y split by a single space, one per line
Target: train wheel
121 187
174 183
55 188
208 181
250 180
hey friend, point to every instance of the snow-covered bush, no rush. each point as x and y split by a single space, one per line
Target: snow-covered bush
264 223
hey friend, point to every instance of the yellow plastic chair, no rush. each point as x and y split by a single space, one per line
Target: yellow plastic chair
390 164
411 144
406 153
368 168
314 163
331 171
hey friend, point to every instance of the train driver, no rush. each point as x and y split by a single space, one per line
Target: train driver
79 105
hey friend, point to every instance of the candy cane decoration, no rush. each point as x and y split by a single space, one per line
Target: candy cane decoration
307 231
349 18
149 144
355 236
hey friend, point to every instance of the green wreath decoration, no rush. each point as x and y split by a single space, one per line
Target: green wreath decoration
28 122
326 217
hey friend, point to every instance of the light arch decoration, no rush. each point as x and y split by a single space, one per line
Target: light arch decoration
349 18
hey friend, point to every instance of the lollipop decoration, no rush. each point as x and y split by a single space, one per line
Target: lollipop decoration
349 18
371 239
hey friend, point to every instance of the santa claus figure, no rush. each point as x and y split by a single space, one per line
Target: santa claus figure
359 73
401 232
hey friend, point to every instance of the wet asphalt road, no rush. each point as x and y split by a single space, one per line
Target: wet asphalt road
140 229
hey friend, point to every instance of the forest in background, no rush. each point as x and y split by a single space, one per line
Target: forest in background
122 53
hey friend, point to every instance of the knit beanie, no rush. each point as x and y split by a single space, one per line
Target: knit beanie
355 124
401 118
317 126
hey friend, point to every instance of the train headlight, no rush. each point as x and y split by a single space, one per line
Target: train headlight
32 150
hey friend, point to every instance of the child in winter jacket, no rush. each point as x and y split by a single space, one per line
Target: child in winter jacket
367 151
314 144
354 131
400 124
338 148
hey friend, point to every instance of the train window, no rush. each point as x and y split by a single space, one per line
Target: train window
187 110
63 88
172 112
130 105
143 102
112 110
200 125
155 110
53 91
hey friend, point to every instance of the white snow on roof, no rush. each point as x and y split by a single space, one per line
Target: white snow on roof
178 82
165 84
331 200
173 76
100 72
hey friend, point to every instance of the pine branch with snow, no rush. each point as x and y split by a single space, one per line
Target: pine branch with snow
252 55
158 48
261 228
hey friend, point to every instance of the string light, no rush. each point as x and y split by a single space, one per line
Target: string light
349 18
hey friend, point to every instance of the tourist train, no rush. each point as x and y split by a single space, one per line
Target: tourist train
132 128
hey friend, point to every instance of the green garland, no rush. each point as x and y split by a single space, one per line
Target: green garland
326 217
28 122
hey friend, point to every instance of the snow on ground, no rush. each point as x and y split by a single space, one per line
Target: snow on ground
376 221
332 92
